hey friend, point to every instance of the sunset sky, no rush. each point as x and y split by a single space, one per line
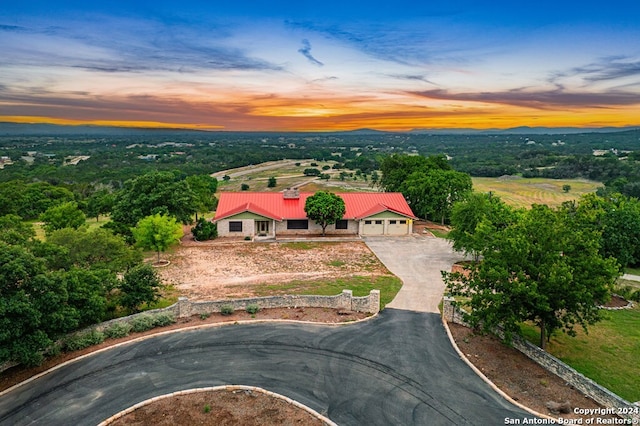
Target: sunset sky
315 66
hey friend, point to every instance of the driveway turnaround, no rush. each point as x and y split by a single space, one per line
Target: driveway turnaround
396 369
417 260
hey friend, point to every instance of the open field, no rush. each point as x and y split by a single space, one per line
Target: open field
520 192
609 354
288 175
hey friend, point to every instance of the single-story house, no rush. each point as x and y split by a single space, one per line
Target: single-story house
271 214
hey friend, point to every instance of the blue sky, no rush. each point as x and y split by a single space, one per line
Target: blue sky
310 66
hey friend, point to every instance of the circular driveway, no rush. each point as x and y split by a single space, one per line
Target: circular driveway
396 369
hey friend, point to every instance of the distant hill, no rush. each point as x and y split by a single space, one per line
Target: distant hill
525 130
15 129
35 129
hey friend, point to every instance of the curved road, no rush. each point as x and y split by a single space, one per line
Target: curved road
396 369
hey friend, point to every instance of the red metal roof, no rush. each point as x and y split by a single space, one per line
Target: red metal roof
274 206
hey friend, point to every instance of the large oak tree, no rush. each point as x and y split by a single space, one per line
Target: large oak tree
325 208
545 268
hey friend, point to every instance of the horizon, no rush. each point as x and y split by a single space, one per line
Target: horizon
304 67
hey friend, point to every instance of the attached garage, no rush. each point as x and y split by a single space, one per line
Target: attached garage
373 227
398 227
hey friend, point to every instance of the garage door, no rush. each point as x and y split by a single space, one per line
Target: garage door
373 227
398 227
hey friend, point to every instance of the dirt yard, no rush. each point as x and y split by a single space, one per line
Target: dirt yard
220 269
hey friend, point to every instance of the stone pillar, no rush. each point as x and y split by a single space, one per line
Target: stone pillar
448 310
345 300
374 301
184 307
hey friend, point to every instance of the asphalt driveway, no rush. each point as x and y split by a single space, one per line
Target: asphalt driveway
417 260
397 369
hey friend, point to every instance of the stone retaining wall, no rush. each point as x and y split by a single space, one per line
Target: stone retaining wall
345 301
585 385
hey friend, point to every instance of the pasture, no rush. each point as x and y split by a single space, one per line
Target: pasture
520 192
290 174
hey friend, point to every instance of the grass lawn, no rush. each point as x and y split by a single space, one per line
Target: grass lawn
609 354
438 233
388 285
632 271
520 192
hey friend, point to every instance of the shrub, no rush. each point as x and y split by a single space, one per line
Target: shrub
118 329
83 340
253 309
244 187
163 319
142 323
204 230
226 309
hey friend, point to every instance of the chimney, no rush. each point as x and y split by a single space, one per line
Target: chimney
291 194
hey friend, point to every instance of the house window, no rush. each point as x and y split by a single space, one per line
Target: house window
392 222
297 224
403 222
367 222
235 226
342 224
378 222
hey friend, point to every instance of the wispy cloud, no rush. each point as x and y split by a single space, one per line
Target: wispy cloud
306 52
413 77
114 45
12 28
538 99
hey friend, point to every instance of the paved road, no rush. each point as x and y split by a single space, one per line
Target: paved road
631 277
397 369
417 260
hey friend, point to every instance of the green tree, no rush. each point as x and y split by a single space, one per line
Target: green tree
431 194
272 182
397 168
545 268
96 249
325 208
65 215
204 230
204 188
139 285
100 202
14 231
31 200
151 193
244 187
157 232
475 220
88 292
375 177
617 218
33 306
566 188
